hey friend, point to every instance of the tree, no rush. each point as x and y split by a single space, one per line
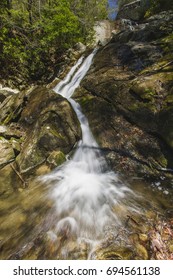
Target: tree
35 33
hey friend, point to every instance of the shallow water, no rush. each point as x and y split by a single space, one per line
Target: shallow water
31 228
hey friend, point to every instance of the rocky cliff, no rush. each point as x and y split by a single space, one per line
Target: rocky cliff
127 96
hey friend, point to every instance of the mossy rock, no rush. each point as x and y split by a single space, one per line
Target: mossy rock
56 158
7 154
113 252
49 125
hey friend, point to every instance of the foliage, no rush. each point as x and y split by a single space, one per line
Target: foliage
35 33
156 6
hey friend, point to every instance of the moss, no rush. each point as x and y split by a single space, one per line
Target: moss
162 161
85 99
143 91
141 252
114 253
138 106
55 133
56 158
167 43
8 118
169 99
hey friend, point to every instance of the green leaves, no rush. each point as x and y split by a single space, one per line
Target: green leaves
156 6
59 24
35 33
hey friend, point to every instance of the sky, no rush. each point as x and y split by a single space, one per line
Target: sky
112 5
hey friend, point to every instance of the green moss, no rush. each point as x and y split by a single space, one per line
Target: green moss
85 99
169 99
144 92
138 106
55 133
163 161
8 118
56 158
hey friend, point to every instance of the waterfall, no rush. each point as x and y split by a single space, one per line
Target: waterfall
85 191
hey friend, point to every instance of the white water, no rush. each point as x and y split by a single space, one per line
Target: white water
84 190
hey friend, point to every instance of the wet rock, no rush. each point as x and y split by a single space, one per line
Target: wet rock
112 252
80 47
141 252
43 121
9 182
57 128
134 10
4 94
7 154
56 158
9 132
127 97
14 220
143 237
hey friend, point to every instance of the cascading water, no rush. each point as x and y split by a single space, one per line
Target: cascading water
84 190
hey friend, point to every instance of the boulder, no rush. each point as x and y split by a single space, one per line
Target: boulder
132 10
45 122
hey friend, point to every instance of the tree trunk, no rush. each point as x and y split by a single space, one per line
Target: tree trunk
30 3
9 4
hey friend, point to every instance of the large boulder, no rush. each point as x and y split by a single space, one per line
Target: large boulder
134 10
45 124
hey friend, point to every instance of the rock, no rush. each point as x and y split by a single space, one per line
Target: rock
10 132
103 32
127 97
143 237
9 183
16 146
3 95
132 10
46 122
6 92
56 158
81 48
171 248
41 122
13 220
53 83
141 252
112 252
7 154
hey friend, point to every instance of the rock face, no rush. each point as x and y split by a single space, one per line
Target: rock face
37 127
133 10
103 32
128 98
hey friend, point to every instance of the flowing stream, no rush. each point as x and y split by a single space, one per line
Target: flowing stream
82 209
85 191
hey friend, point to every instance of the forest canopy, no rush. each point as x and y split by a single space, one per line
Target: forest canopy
35 33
